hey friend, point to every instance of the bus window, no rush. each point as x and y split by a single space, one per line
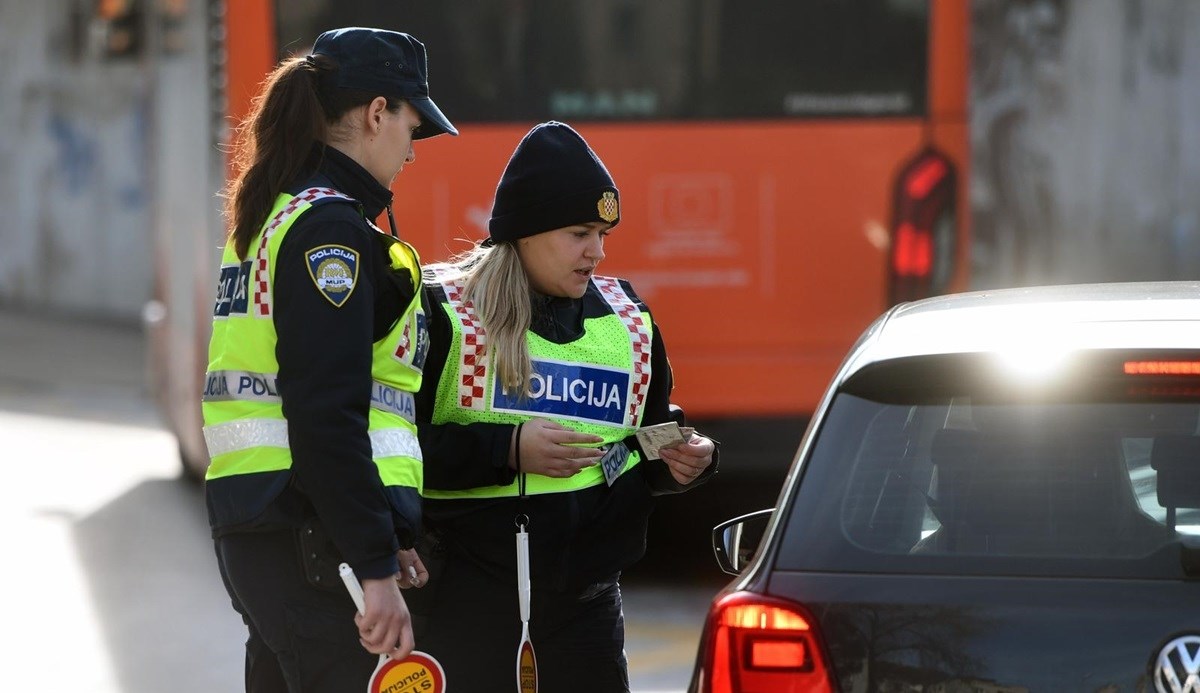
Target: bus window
668 59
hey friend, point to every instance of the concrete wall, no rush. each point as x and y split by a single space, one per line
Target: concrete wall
1085 140
74 232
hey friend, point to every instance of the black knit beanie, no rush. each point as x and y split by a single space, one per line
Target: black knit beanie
553 179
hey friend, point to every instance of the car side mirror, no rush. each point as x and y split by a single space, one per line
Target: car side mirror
736 541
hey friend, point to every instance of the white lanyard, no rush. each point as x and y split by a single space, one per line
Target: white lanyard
527 678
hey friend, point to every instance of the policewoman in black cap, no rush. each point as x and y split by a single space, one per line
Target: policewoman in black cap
540 375
317 348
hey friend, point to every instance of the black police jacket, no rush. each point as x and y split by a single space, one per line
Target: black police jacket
324 355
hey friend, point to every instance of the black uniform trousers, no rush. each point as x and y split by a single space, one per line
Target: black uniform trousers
470 622
302 637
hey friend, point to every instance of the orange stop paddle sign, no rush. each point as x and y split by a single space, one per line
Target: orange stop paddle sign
416 673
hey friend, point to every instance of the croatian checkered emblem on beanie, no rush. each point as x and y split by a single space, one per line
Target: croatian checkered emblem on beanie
607 206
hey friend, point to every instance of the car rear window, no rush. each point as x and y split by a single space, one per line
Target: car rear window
951 465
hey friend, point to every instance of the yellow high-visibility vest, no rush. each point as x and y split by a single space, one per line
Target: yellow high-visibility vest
596 384
244 426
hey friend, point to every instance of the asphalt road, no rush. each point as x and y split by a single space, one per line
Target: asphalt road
110 584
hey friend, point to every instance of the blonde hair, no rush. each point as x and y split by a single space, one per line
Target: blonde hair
495 282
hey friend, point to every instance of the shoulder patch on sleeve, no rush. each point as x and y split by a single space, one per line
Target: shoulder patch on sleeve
334 270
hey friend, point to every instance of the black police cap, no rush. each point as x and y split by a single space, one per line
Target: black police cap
388 63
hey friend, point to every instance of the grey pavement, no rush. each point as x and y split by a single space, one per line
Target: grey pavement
116 588
83 368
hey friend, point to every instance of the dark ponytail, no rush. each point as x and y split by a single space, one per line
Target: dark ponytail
272 147
275 145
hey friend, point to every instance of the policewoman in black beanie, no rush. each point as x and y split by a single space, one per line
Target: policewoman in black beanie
317 348
540 373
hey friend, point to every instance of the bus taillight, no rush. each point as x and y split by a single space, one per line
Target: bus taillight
924 228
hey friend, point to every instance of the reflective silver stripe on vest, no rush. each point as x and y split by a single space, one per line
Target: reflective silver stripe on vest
395 442
394 401
244 434
228 386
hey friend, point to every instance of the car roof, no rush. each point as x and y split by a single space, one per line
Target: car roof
1033 320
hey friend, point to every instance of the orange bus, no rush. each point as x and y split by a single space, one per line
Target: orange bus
788 170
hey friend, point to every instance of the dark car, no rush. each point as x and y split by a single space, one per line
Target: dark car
999 492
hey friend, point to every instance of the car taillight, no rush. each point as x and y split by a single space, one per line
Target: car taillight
924 228
757 644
